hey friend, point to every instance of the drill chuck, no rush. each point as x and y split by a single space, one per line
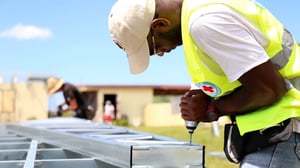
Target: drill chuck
191 126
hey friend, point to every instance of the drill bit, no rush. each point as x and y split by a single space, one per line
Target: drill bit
191 137
191 126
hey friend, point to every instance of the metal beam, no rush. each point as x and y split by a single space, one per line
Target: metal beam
79 140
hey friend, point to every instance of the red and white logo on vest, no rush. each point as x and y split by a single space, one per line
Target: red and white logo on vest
209 88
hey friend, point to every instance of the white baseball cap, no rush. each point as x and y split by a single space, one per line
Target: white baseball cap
129 24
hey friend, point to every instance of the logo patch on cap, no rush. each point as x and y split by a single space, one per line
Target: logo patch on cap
209 88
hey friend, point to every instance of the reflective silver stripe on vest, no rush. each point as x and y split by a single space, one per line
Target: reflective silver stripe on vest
292 83
282 58
296 82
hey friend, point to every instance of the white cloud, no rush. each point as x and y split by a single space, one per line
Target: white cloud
26 32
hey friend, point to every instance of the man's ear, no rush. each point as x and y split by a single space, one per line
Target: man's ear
160 24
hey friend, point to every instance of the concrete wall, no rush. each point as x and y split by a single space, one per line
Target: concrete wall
162 114
131 102
23 101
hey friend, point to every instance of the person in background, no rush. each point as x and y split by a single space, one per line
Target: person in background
73 98
109 112
245 62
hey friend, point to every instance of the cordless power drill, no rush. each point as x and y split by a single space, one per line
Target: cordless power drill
191 126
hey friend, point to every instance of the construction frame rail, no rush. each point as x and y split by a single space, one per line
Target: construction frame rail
76 143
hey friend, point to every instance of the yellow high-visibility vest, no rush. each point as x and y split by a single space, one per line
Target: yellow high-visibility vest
282 49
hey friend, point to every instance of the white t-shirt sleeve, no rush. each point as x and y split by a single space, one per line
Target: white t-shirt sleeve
235 46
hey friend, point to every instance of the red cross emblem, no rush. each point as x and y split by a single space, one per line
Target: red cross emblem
209 88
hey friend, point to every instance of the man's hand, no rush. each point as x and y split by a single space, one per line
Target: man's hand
194 106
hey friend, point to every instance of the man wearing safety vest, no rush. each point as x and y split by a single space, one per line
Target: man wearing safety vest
245 62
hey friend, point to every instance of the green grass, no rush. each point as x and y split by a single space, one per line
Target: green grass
202 135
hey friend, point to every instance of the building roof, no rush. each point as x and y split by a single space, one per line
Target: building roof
158 89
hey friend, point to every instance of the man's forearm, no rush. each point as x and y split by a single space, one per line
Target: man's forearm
260 87
246 99
242 101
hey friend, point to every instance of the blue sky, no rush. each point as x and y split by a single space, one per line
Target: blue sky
69 39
